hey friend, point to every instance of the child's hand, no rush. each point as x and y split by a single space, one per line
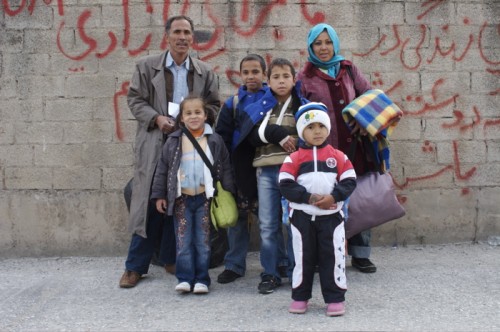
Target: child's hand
288 144
161 205
326 202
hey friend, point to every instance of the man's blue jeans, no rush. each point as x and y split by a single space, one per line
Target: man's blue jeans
272 252
159 229
192 228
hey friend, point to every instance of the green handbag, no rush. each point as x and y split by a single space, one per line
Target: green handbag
223 209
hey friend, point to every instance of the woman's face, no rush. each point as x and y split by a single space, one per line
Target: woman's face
323 47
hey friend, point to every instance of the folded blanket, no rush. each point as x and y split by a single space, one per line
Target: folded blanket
376 113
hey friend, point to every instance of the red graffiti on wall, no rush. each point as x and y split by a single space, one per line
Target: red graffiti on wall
455 167
31 7
123 92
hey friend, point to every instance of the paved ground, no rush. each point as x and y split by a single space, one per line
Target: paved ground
432 288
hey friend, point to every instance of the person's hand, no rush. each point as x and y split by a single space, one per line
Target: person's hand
357 129
288 144
161 205
165 123
326 202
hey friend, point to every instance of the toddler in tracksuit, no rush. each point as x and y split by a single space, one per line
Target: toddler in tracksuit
316 180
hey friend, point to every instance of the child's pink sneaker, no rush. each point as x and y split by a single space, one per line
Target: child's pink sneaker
335 309
298 307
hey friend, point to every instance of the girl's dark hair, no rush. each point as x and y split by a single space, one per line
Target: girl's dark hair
280 62
254 57
190 97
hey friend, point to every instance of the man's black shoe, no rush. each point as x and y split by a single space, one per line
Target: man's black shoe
268 284
227 276
363 265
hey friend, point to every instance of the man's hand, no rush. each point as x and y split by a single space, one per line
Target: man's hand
161 205
165 124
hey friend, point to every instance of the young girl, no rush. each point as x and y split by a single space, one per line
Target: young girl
183 186
317 179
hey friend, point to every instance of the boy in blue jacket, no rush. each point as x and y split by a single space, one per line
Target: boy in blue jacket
232 121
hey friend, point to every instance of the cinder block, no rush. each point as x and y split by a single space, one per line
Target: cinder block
263 40
426 220
40 86
488 219
20 64
77 178
38 133
116 178
28 178
28 110
11 40
62 65
107 155
468 152
420 13
73 13
6 133
45 41
493 151
88 132
379 14
16 155
487 175
7 87
426 176
119 61
480 12
68 109
90 85
42 18
484 82
434 131
413 153
59 155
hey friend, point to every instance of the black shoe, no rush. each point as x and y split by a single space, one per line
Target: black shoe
227 276
363 265
268 284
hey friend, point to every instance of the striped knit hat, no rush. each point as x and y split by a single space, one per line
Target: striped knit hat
310 113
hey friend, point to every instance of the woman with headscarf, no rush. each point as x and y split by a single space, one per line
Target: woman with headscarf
328 78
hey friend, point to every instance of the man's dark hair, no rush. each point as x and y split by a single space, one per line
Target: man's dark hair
280 62
171 19
254 57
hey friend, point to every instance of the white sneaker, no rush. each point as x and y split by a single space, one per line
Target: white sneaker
200 288
183 287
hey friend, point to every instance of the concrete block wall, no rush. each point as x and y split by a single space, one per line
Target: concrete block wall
66 134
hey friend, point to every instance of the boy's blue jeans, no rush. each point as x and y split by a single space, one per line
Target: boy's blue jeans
159 228
239 238
271 234
192 229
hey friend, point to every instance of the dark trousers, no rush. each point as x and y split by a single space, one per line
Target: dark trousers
319 242
159 229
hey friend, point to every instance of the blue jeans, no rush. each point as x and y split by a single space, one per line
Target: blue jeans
238 239
359 245
192 228
159 229
272 248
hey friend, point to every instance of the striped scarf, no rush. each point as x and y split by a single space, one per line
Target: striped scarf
376 113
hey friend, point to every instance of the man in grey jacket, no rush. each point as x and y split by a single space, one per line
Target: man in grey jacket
159 84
